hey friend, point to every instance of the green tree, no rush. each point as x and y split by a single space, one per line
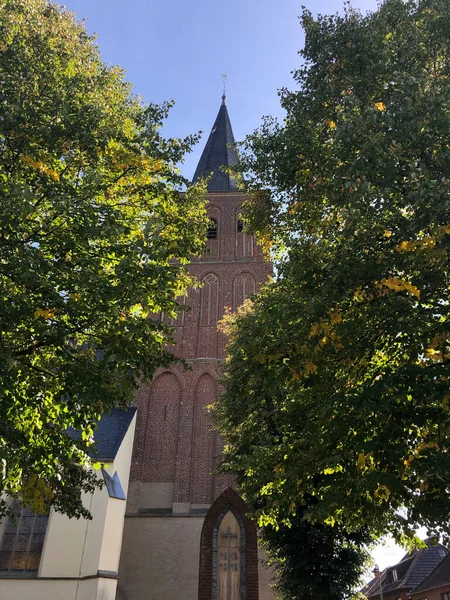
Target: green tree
345 358
315 561
94 236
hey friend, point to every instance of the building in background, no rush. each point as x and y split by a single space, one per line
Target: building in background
436 586
186 536
404 580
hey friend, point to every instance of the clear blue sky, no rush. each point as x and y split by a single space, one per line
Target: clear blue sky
177 49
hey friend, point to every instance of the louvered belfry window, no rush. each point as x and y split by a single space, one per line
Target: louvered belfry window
212 229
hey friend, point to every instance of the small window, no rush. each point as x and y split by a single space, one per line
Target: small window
22 542
240 226
394 575
445 596
212 229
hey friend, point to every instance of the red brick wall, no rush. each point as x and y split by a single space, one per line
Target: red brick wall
174 440
435 594
160 450
203 446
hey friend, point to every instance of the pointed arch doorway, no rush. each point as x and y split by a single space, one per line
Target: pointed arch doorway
228 552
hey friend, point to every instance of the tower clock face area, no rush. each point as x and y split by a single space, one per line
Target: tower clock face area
183 518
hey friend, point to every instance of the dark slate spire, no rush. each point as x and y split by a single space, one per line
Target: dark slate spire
219 152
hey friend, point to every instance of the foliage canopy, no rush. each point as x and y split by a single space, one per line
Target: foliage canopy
345 359
93 238
315 561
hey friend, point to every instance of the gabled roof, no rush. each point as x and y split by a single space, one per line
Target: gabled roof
219 152
423 563
411 571
373 587
110 432
438 577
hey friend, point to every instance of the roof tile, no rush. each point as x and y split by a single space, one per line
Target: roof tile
220 151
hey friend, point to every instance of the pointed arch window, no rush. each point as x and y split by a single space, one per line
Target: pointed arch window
244 241
209 309
177 321
244 285
228 552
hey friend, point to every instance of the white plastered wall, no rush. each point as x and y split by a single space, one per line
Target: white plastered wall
76 549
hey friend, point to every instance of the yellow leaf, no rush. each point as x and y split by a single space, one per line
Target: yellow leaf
381 106
311 367
382 492
434 355
387 233
45 313
51 173
422 244
331 124
40 167
432 351
314 330
402 247
400 285
336 317
31 162
361 460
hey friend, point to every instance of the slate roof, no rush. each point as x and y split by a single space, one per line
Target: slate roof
110 432
219 152
411 571
438 577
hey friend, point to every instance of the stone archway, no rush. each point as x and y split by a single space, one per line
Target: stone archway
228 552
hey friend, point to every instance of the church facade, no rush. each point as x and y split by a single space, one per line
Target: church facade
186 536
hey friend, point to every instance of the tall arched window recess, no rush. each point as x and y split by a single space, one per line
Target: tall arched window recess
209 308
211 233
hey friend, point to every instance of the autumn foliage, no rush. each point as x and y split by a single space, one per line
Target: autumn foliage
337 385
93 238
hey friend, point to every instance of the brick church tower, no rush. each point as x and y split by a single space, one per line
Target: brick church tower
186 536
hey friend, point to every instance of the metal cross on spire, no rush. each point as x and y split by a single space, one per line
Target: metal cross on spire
224 95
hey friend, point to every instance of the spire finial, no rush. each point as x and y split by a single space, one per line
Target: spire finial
220 151
224 95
